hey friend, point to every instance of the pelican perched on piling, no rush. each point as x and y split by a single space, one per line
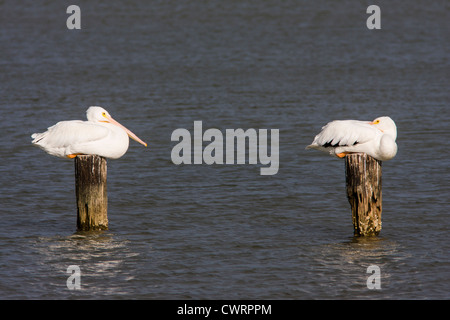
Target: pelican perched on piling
375 138
100 135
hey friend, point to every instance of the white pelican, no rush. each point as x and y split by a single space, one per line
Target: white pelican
375 138
100 135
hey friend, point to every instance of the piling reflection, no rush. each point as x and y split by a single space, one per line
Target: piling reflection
104 259
341 269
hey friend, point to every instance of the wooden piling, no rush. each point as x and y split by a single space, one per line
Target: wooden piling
90 188
363 180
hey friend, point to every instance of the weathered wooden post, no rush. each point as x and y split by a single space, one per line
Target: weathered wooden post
90 188
363 179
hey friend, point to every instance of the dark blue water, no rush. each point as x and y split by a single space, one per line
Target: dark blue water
225 231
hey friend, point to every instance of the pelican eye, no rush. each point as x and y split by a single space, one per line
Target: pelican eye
104 114
376 122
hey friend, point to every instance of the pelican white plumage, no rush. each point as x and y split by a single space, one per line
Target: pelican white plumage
375 138
100 135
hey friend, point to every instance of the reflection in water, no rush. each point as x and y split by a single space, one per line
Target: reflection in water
106 261
342 267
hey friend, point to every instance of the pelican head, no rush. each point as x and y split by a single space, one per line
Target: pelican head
98 114
386 125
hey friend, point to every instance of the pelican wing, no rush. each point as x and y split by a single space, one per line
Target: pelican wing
344 133
69 134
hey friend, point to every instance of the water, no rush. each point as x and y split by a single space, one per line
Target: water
225 231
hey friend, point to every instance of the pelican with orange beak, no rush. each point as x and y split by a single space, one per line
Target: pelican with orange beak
100 135
375 138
